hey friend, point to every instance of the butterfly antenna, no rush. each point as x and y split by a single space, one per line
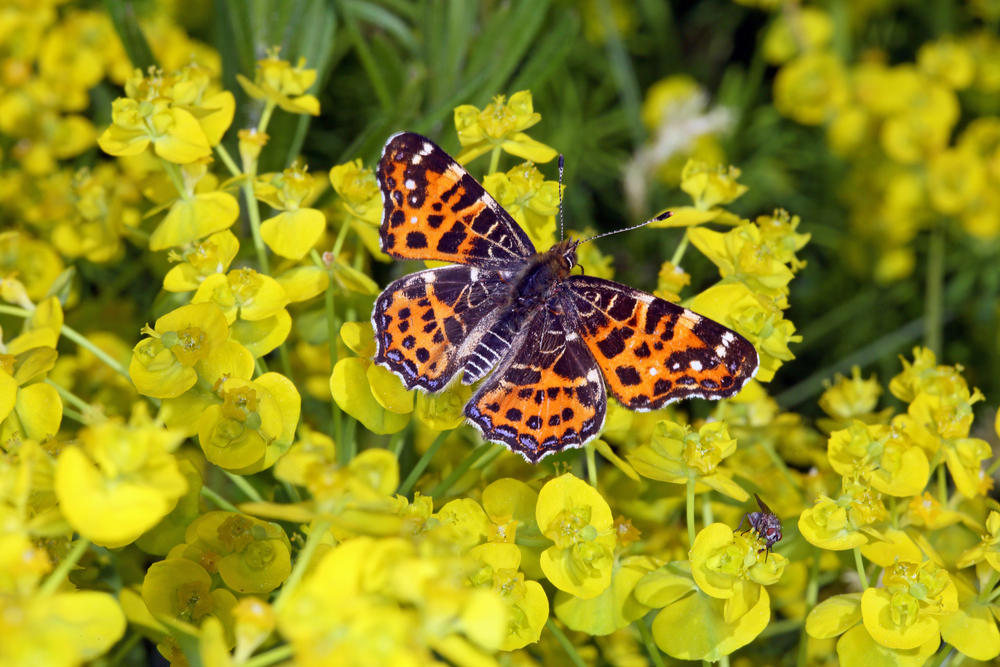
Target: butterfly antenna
662 216
561 162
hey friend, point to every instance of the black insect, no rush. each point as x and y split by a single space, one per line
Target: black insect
765 523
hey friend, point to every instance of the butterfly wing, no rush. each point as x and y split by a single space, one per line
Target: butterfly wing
545 396
653 352
429 322
433 209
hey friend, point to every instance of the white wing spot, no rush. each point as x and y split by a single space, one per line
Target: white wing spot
728 337
413 220
430 277
654 371
474 274
696 365
677 367
426 148
417 159
409 184
720 350
571 335
593 375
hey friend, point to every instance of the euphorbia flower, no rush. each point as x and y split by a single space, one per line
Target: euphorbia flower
500 124
578 520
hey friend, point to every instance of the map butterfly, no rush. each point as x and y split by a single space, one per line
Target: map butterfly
556 343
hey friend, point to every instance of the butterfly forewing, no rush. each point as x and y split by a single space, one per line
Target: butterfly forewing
652 352
433 209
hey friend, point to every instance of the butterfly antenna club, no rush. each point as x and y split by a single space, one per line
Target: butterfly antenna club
561 165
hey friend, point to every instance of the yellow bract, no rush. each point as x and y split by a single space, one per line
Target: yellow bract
500 125
119 481
577 519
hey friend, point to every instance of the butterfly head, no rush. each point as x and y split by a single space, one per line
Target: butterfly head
563 256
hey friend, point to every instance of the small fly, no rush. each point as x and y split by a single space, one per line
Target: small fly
765 523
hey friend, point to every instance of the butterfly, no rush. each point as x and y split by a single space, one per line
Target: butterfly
765 523
556 343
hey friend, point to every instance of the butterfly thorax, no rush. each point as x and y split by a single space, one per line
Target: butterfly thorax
534 284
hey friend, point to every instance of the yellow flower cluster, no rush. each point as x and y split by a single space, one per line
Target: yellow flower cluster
927 592
912 164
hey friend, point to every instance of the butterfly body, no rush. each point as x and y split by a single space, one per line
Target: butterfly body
552 343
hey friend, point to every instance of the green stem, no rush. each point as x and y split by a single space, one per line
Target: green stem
319 529
418 470
681 248
941 656
227 160
243 485
445 485
265 117
986 591
494 160
647 640
59 574
690 511
564 641
174 172
212 495
70 413
942 484
707 516
812 596
933 303
275 655
253 214
859 564
591 465
87 411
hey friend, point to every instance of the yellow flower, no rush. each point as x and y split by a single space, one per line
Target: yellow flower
891 462
529 198
955 179
253 426
836 524
613 609
200 210
500 125
742 254
68 627
250 555
758 318
578 520
373 601
254 305
923 126
528 607
947 61
277 82
200 260
359 203
671 281
904 613
296 229
180 589
119 481
811 88
148 115
164 365
677 454
801 30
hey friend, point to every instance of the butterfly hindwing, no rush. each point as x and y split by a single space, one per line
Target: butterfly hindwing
547 395
427 323
433 209
652 352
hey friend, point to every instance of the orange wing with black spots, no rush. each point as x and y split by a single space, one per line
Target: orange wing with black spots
547 395
652 352
427 323
435 210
